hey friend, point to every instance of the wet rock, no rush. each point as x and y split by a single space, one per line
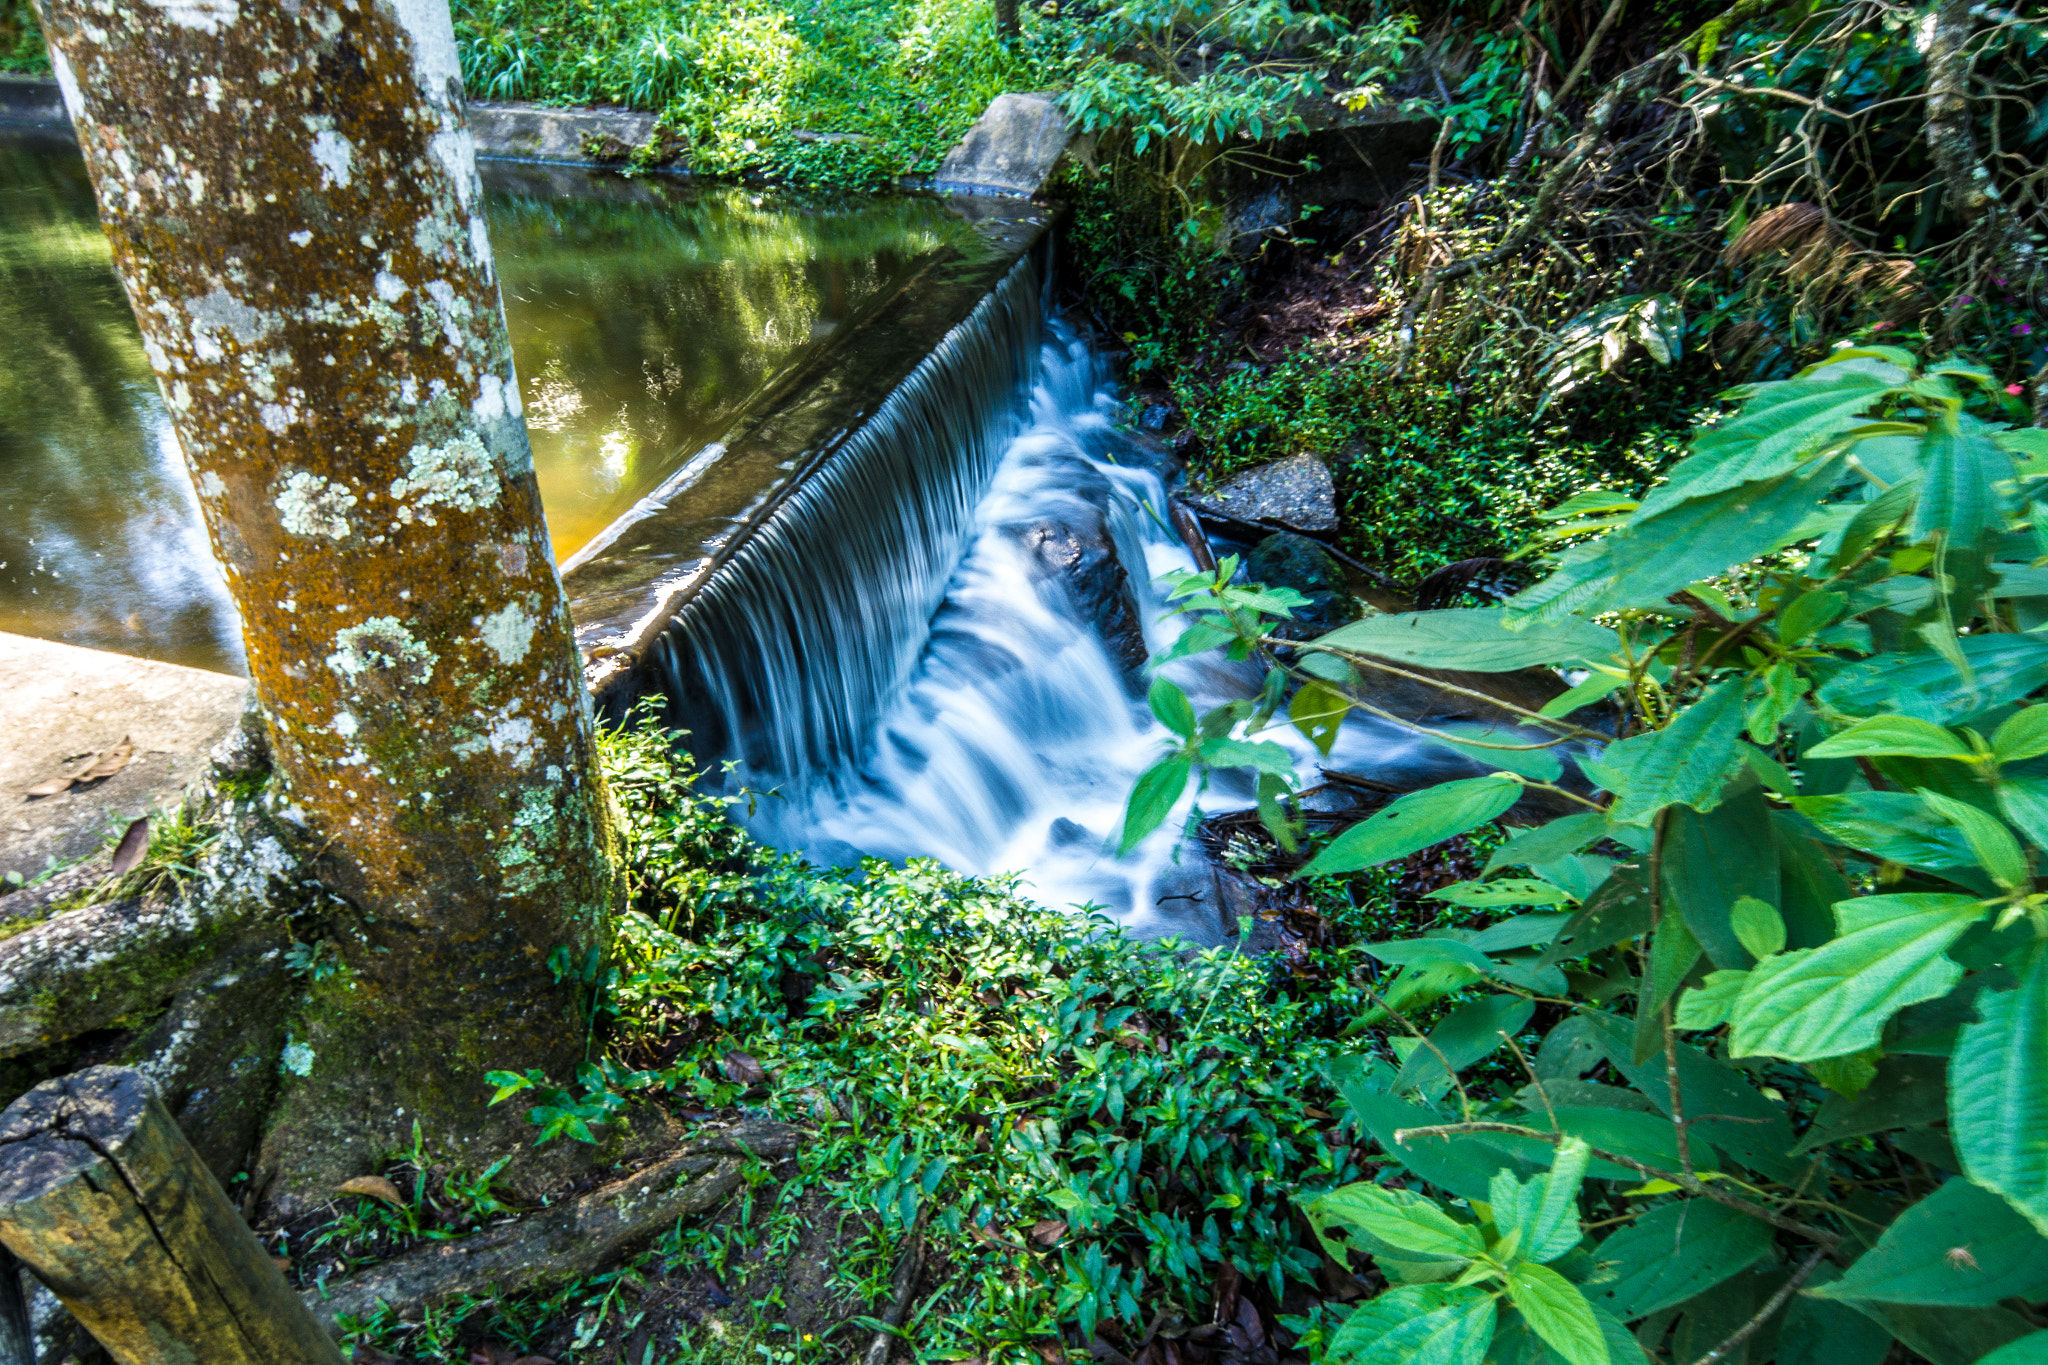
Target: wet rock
1156 416
1076 550
1296 493
1286 560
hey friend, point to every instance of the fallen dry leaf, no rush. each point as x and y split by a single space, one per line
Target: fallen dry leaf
109 762
50 788
741 1069
134 844
1048 1231
372 1187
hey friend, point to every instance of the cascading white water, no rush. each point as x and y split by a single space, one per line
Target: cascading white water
1016 740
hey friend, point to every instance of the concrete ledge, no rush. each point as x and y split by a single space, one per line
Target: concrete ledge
523 132
32 101
59 703
1011 149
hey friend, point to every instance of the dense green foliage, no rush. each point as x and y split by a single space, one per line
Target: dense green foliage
1805 871
21 41
848 92
1001 1067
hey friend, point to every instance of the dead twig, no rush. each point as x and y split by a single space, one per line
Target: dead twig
902 1289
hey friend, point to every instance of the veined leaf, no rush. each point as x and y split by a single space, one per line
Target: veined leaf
1826 1002
1506 891
1767 443
1475 639
1466 1035
1172 707
1958 496
1414 822
1373 1319
1152 798
2028 1350
2024 734
1809 612
1474 742
2024 801
1686 763
1558 1313
2003 668
1704 537
1317 711
1998 1093
1707 1006
1673 1253
1895 826
1544 1212
1456 1334
1760 927
1996 851
1961 1246
1400 1218
1892 735
1548 843
1595 686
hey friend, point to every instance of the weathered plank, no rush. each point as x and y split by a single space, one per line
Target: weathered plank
104 1199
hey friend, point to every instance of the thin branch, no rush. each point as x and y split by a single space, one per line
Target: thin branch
1777 1301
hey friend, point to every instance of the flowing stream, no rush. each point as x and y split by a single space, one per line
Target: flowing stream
1014 743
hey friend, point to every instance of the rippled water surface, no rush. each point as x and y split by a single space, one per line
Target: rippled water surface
644 316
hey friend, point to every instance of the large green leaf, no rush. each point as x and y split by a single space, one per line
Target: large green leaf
2023 735
1998 1083
1516 1343
1402 1219
2024 801
1946 1335
1158 787
1674 1252
1474 639
1559 1313
1713 860
1458 1333
1548 843
2028 1350
1371 1322
1686 763
1907 1092
1617 912
1991 843
1809 883
1414 822
1765 442
1463 1164
1704 537
1756 1134
1465 1035
2003 668
1821 1332
1958 491
1473 742
1886 735
1961 1247
1542 1214
1895 826
1831 1001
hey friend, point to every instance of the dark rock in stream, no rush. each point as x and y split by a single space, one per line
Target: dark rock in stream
1286 560
1072 547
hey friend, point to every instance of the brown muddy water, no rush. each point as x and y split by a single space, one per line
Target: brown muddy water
644 315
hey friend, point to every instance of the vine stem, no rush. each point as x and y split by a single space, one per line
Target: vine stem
1763 1315
1689 1183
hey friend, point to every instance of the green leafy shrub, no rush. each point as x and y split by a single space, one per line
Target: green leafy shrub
1791 946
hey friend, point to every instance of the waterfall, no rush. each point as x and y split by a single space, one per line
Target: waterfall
789 651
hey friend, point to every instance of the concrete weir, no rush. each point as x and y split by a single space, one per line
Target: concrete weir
775 590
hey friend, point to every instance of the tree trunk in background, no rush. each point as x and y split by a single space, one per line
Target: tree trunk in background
292 196
1006 18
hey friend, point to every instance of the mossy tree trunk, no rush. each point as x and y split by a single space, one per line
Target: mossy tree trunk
292 196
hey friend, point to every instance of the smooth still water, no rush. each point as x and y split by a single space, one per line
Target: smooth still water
644 316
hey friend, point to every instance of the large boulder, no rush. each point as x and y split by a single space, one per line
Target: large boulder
1296 493
1076 552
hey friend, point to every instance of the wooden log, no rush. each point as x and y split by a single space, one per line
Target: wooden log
102 1197
568 1240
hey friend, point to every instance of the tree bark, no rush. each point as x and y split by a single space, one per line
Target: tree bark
292 197
1006 18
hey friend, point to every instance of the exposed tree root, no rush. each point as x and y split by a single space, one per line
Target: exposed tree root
568 1240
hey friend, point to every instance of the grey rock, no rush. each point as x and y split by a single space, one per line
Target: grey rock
1157 416
1078 553
1012 148
1296 493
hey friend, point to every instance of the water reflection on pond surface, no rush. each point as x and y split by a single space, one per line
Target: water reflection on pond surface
644 316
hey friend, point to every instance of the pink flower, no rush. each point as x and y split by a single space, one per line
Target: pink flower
2021 329
1881 327
2014 389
